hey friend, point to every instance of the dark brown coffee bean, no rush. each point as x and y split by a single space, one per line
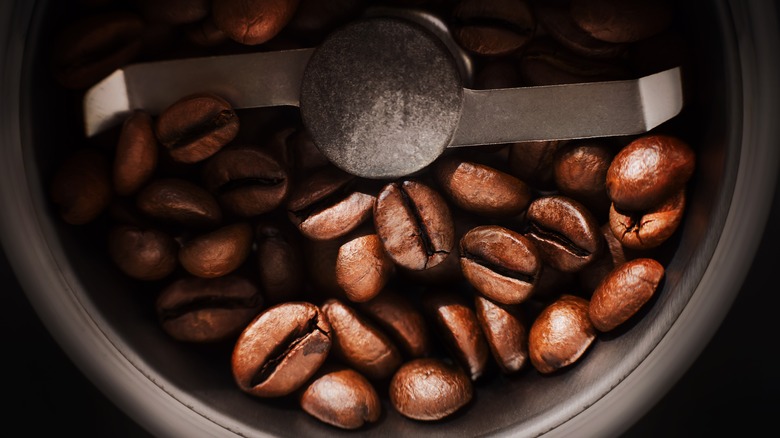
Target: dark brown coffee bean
178 201
590 276
560 334
359 343
308 157
143 254
647 229
481 189
320 258
457 324
217 253
362 266
399 318
415 224
136 154
246 180
280 266
501 264
493 28
532 162
505 332
253 22
580 170
281 349
648 171
342 398
546 62
623 292
81 186
207 310
429 389
205 33
174 11
622 21
196 127
556 18
564 231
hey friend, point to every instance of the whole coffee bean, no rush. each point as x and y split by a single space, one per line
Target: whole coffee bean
136 153
560 334
481 189
415 224
580 170
399 318
343 398
623 292
308 158
328 204
501 264
178 201
174 11
429 389
505 332
457 324
91 48
253 22
143 254
217 253
546 62
196 127
532 162
648 171
622 21
280 266
615 255
281 349
556 18
205 33
564 231
196 309
246 180
81 186
497 27
647 229
362 266
359 343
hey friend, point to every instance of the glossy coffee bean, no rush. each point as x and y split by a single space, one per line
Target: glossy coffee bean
497 27
174 11
647 229
217 253
501 264
415 224
253 22
280 265
429 389
81 186
557 20
196 127
564 231
143 254
196 309
505 332
281 349
613 256
532 162
623 292
560 334
135 158
401 320
362 266
343 398
622 21
580 170
648 171
178 201
546 62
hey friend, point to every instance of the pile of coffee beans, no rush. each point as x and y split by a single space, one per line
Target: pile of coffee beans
332 289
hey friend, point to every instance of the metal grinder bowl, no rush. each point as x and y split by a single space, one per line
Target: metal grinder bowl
173 389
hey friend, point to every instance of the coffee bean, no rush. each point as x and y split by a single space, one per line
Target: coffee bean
281 349
400 319
501 264
497 27
280 266
174 11
580 170
362 266
253 22
136 154
343 398
217 253
178 201
622 21
647 229
560 334
308 158
429 389
556 18
196 127
205 33
623 292
546 62
194 309
532 162
615 255
143 254
81 186
505 333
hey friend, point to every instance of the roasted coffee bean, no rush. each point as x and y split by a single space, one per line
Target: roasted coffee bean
580 170
136 154
246 180
481 189
556 18
505 333
648 171
217 253
143 254
622 21
501 264
196 309
281 349
174 11
547 62
253 22
81 186
343 398
647 229
91 48
400 319
320 259
362 266
178 201
196 127
497 27
308 157
457 324
415 224
564 231
614 255
327 205
280 266
429 389
359 343
623 292
532 162
560 334
205 33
